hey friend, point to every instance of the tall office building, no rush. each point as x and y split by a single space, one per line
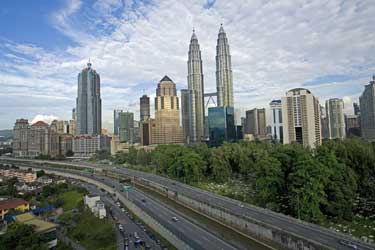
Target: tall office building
126 127
185 113
356 108
335 118
301 115
352 125
221 125
367 105
224 78
196 87
89 103
116 126
276 121
144 108
166 129
256 123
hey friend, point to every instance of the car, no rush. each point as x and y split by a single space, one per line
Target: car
122 210
121 227
148 246
174 218
143 200
348 244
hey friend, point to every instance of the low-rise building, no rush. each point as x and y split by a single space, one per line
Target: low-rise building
21 175
45 228
95 205
8 205
88 145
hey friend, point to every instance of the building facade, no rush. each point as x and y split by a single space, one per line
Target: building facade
185 113
352 125
87 145
256 123
166 129
335 118
144 108
196 87
89 103
367 106
38 139
116 126
126 127
276 121
301 118
20 135
221 125
224 78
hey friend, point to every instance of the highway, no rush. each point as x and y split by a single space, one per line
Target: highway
193 235
325 237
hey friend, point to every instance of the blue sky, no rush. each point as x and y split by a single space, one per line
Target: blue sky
327 46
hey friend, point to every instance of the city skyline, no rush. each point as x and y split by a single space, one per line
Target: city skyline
38 73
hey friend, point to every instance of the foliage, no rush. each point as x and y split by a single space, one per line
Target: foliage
310 184
21 237
101 155
40 173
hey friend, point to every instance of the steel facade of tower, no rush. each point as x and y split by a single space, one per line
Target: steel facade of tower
89 103
196 88
144 108
224 79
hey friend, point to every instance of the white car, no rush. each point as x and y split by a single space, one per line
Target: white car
174 218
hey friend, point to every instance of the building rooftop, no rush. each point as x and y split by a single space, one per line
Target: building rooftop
40 124
166 79
11 203
30 219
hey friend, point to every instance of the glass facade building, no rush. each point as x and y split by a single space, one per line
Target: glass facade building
221 125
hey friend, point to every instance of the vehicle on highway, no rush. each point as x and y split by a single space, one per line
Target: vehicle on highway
348 244
143 200
122 210
121 227
174 218
136 235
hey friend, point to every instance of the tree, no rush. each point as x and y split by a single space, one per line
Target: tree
132 156
221 170
40 173
21 237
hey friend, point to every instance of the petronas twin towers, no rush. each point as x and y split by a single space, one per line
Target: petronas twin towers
193 114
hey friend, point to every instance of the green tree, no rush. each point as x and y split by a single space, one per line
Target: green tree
21 237
221 170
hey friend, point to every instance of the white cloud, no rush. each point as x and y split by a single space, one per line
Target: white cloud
45 118
275 46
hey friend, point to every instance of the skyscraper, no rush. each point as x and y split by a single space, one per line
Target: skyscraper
89 103
367 107
335 118
166 129
126 127
224 80
256 123
276 121
301 115
20 138
116 126
144 107
356 108
185 113
196 87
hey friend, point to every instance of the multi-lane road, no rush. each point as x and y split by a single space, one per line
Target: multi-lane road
304 230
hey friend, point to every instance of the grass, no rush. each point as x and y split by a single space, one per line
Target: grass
70 199
92 232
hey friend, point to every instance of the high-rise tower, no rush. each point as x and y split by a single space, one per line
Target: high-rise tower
144 107
89 103
196 87
224 80
367 107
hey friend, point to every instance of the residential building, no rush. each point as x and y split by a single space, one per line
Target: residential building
9 205
45 228
167 128
144 108
88 145
276 121
256 123
126 127
89 103
196 93
335 118
367 107
38 139
20 138
224 78
116 125
352 125
301 118
21 175
221 125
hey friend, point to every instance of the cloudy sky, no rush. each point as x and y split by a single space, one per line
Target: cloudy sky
327 46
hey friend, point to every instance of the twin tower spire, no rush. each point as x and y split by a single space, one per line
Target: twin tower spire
195 112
